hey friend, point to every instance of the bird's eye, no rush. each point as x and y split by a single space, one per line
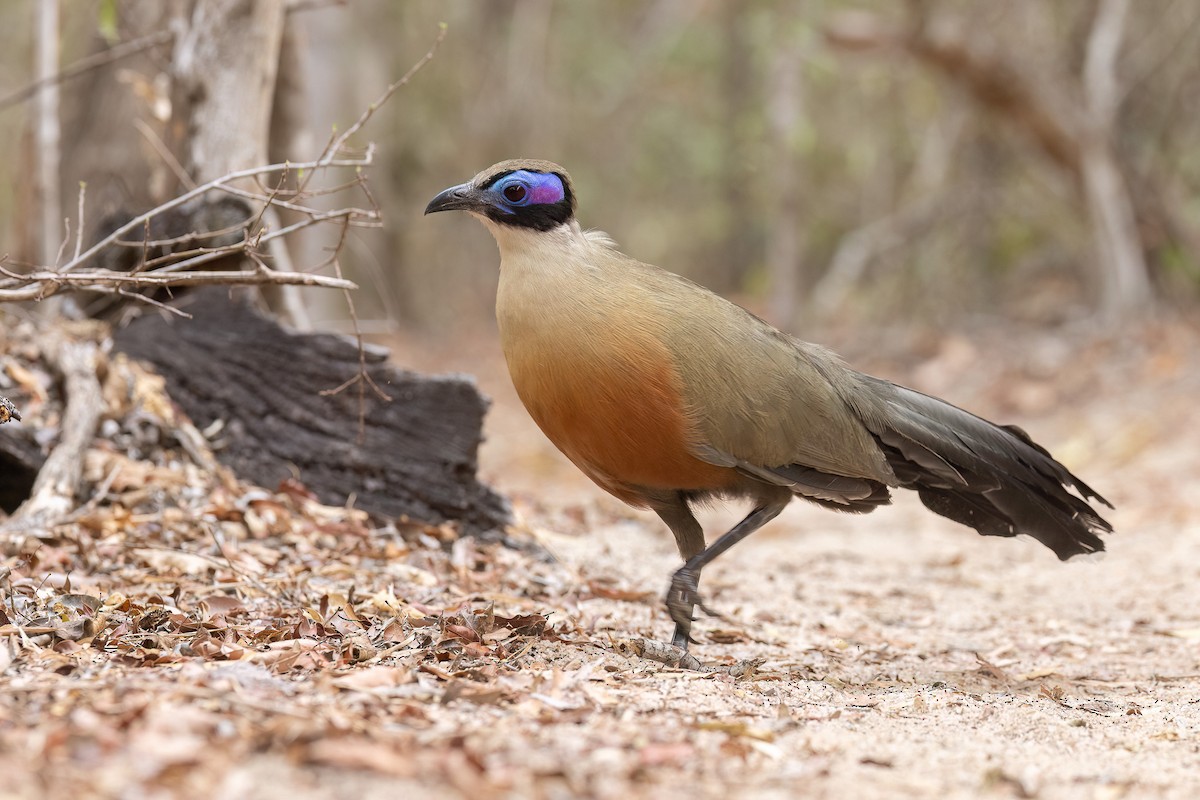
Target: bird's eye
514 193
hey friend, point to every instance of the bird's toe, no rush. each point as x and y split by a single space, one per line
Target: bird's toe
683 598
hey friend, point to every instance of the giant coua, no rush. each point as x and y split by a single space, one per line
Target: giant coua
666 395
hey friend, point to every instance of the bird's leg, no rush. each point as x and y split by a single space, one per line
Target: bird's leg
689 537
684 595
682 599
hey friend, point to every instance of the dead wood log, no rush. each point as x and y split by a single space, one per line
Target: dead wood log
20 461
53 494
232 365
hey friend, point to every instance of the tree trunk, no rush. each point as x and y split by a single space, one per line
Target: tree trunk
784 243
223 72
1125 288
737 97
49 133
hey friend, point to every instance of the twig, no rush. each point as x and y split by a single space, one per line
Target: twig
66 238
164 153
79 219
246 576
8 410
98 493
114 53
363 378
335 145
673 656
190 236
290 301
302 209
143 298
294 6
145 248
257 223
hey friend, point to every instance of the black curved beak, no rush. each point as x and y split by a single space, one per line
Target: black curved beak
463 197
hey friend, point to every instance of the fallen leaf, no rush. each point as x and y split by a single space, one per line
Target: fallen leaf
737 728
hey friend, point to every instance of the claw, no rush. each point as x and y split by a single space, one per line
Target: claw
683 598
682 637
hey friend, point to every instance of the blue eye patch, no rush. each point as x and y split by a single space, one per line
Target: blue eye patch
525 188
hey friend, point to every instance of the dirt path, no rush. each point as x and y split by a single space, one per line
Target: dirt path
290 653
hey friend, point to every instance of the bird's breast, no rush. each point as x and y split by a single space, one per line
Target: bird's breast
606 391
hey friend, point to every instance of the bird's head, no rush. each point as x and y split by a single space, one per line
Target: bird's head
522 193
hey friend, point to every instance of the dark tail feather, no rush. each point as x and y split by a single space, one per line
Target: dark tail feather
965 509
1067 534
992 478
1080 486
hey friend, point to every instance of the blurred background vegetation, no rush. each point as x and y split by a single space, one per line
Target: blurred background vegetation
826 163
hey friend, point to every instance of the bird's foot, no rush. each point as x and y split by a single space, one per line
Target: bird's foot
683 598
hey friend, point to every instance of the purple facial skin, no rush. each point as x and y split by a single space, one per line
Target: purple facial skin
544 188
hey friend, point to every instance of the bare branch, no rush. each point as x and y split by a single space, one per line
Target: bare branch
257 223
351 213
164 153
49 280
114 53
309 5
190 236
139 298
174 269
363 378
219 183
335 146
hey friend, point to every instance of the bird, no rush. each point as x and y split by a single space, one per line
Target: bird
668 396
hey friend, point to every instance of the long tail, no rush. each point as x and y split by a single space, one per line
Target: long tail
992 478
